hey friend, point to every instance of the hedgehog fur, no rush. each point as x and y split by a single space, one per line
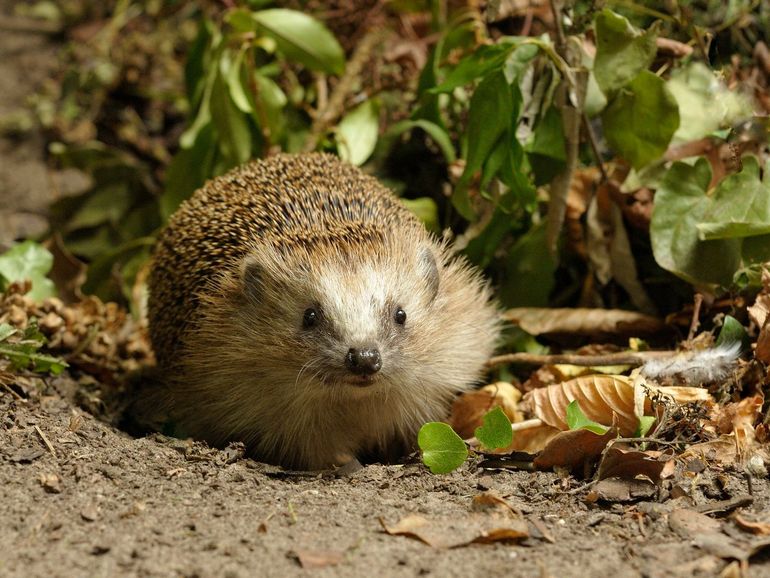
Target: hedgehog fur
250 257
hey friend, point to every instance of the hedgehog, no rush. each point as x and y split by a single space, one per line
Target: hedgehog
297 306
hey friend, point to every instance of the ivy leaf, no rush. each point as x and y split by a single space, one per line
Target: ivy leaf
28 260
479 63
705 103
622 51
496 430
358 131
740 207
442 449
576 419
640 121
680 203
733 332
302 38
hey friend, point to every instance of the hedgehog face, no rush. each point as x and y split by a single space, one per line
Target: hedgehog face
351 318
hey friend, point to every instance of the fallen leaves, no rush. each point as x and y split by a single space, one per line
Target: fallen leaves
491 519
581 321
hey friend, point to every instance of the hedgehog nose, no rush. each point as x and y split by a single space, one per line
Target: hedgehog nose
363 361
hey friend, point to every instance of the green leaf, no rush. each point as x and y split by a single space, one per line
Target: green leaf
645 423
426 210
197 60
478 63
28 260
547 152
232 70
358 131
203 116
756 250
442 449
680 203
231 126
576 419
705 103
495 431
269 106
733 332
490 116
23 352
107 204
438 134
622 51
529 271
6 331
740 207
640 121
302 38
188 171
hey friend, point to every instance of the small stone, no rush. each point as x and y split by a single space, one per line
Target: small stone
51 482
90 512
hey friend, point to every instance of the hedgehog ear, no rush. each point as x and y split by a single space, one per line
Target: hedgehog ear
429 269
253 276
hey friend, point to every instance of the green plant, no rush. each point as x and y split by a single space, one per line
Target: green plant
22 349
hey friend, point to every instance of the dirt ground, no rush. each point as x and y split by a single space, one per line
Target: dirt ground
79 497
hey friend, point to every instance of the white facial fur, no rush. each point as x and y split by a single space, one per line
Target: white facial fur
284 389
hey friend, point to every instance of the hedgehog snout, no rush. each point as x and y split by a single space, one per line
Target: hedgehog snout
366 361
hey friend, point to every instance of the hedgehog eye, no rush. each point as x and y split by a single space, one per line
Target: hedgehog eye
399 316
310 318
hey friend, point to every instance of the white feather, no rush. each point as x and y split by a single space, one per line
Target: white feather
696 367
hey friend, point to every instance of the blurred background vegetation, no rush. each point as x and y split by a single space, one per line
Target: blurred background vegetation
598 154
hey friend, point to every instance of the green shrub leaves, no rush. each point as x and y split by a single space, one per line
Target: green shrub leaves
28 261
641 120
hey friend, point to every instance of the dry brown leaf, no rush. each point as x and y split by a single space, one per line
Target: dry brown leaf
753 526
759 313
582 321
742 414
762 351
573 449
318 558
617 490
683 393
722 450
605 399
458 532
689 523
491 501
623 462
469 409
532 440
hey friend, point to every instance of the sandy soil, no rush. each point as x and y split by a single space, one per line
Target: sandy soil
79 497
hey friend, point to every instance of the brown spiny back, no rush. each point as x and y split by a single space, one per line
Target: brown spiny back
285 200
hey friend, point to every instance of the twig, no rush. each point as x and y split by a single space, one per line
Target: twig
594 146
45 441
570 99
336 104
695 316
634 359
